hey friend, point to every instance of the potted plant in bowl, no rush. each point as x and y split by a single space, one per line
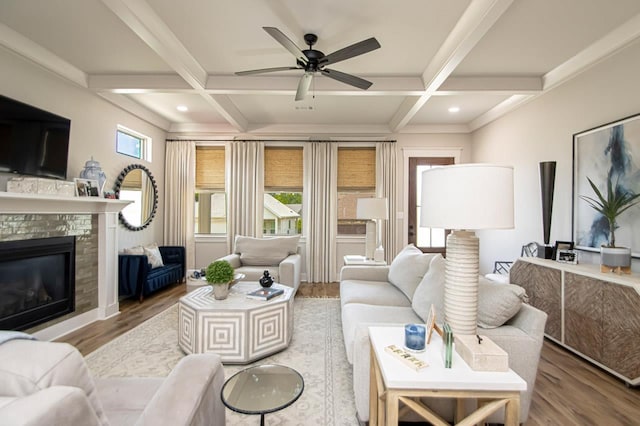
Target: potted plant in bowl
219 274
616 202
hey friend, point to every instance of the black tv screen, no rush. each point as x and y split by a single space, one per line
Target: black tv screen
32 141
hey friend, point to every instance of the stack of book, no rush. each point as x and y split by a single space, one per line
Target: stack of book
265 293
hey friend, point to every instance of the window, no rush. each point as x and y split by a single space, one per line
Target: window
431 240
133 144
356 179
210 197
282 191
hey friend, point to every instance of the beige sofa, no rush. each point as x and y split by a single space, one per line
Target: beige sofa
279 255
403 292
47 383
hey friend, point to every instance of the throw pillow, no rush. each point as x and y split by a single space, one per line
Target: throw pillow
265 251
408 268
498 303
430 291
153 255
134 250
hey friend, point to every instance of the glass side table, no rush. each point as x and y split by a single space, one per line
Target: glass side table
262 389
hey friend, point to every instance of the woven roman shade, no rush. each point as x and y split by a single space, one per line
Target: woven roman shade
210 167
283 168
133 181
356 168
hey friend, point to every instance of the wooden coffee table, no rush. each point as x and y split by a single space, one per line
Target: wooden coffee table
239 329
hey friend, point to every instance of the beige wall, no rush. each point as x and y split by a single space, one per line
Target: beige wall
93 130
542 130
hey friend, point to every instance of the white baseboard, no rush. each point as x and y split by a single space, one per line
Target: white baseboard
65 327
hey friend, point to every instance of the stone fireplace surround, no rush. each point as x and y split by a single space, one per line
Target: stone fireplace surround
94 222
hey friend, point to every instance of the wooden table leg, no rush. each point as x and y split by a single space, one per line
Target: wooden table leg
373 390
512 411
391 409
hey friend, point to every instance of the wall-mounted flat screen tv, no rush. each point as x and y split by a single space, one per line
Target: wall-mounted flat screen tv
32 141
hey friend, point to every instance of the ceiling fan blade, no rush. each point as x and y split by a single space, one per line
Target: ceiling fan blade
303 86
263 70
349 79
286 42
356 49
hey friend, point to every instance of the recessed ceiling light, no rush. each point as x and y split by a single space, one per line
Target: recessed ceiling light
454 109
182 108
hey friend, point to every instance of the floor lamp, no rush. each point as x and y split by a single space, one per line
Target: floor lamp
373 209
465 198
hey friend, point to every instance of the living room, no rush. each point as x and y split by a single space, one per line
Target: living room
549 72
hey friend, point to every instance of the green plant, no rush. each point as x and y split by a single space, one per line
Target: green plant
219 272
614 205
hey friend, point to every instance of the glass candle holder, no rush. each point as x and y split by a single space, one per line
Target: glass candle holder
414 337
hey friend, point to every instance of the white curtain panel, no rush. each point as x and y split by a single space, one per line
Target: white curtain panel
245 189
180 182
320 213
386 187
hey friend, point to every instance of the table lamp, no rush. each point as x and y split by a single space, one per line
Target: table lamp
373 209
465 198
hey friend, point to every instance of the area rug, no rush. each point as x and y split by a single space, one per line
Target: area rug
316 351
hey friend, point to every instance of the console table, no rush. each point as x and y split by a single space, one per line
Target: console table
594 314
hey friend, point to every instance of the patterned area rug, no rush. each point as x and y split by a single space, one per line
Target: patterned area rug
316 351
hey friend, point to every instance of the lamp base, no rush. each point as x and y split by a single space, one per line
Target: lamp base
461 282
545 251
378 255
370 240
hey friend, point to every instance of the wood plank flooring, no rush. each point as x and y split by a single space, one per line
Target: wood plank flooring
569 390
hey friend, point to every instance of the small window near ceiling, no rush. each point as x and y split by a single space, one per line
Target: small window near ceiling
282 213
210 196
133 144
356 179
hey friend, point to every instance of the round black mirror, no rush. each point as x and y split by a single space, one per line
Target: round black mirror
136 183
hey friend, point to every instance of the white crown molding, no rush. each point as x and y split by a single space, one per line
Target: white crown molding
434 129
26 48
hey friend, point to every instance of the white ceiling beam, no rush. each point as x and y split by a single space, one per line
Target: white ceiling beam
493 85
138 110
139 83
21 45
434 128
499 110
144 22
474 23
596 52
336 130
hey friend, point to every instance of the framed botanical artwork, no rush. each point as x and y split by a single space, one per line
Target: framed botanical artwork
611 150
86 187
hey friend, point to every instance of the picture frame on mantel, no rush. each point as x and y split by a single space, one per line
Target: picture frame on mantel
86 187
612 149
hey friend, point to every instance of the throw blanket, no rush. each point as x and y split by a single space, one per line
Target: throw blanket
6 335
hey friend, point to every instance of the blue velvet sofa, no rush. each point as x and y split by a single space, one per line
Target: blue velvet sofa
137 279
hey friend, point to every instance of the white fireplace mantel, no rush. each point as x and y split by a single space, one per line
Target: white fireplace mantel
12 202
107 211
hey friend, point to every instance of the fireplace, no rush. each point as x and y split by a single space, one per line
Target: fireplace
37 281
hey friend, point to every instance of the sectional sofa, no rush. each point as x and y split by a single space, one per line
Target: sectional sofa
404 291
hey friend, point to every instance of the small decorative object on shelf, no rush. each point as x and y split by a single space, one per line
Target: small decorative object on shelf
447 345
265 293
92 170
266 279
481 353
414 337
405 357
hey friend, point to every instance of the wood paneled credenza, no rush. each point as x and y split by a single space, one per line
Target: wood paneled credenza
594 314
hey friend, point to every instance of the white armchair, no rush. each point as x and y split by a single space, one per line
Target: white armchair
49 383
278 255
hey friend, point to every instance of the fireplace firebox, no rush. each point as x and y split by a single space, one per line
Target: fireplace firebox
37 281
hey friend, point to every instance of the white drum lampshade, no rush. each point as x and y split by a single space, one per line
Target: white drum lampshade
464 198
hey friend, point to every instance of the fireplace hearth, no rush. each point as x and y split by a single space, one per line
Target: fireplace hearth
37 281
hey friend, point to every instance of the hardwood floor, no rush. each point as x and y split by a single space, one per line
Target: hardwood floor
569 391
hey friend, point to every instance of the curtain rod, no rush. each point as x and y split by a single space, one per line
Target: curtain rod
277 140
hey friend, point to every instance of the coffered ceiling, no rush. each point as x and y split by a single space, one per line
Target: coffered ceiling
485 57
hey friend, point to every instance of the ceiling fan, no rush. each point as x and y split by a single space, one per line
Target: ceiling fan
313 61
